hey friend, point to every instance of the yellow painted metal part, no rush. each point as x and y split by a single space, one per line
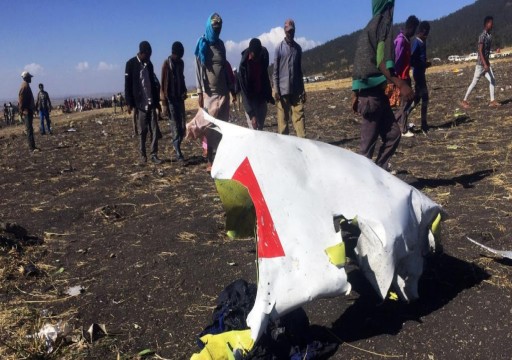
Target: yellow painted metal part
240 212
221 346
337 254
436 227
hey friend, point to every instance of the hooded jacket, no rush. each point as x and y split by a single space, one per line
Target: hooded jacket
378 6
374 46
246 87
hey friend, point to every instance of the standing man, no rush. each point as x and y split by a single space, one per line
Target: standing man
373 67
213 76
483 66
255 83
142 94
114 103
420 65
403 68
6 114
289 83
27 107
173 94
44 106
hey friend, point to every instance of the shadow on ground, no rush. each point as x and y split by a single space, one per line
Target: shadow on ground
467 181
444 278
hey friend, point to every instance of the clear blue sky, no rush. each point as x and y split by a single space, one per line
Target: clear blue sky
81 47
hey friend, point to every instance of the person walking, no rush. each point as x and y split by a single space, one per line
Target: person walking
6 114
213 76
403 68
420 65
373 67
142 93
289 83
173 94
27 107
483 65
10 109
114 103
44 106
255 83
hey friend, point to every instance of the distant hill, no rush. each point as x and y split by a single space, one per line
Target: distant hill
455 34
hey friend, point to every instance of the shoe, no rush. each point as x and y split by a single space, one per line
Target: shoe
464 104
408 134
494 103
155 160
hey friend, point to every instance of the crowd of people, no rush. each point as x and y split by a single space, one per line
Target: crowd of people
217 87
381 61
82 104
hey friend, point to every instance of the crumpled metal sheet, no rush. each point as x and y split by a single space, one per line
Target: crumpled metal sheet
298 187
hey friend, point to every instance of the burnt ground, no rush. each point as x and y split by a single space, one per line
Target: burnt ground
148 245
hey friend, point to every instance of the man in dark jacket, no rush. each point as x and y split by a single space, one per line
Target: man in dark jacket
27 106
44 106
255 83
373 67
173 94
142 93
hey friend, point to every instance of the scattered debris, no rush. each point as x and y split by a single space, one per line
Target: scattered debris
97 331
146 352
75 290
29 270
52 334
503 254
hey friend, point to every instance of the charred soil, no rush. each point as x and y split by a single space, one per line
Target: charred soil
148 246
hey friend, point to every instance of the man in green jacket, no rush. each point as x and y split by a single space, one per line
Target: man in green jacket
373 68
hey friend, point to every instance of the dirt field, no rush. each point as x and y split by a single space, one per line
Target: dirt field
147 243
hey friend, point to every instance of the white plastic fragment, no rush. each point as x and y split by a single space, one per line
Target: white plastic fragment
51 333
502 253
75 290
298 187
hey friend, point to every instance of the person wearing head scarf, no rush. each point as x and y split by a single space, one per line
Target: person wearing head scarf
173 94
255 83
214 75
373 68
